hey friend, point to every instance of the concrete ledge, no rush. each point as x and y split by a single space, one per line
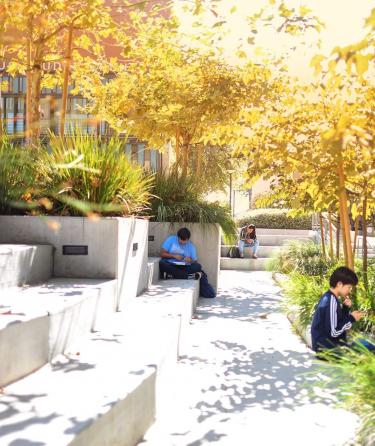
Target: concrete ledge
281 239
107 390
153 265
263 251
172 298
81 402
286 232
303 332
244 264
45 320
24 264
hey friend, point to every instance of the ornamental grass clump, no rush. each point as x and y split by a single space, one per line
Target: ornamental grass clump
83 174
352 372
17 175
177 199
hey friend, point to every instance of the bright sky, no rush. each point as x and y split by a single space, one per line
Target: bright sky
344 20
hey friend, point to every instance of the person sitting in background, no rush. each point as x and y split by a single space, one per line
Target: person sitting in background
179 257
248 238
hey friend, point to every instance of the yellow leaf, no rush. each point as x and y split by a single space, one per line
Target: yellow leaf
361 63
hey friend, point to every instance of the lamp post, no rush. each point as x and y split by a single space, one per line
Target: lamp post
231 191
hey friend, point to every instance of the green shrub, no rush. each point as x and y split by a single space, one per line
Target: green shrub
16 177
176 199
302 294
82 174
365 298
274 219
352 372
305 258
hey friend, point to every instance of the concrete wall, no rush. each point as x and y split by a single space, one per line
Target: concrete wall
205 237
111 247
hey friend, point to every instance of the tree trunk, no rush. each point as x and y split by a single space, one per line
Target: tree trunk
364 240
36 77
343 197
322 235
28 92
338 236
356 225
330 235
178 148
185 154
68 59
199 160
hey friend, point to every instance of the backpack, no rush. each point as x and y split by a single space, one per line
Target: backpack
205 289
234 252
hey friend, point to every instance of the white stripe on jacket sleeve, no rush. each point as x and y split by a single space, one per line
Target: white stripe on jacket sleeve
333 318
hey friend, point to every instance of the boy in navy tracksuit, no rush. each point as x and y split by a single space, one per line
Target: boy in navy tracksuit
332 319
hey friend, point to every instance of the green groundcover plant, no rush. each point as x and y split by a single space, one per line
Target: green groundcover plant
177 198
16 176
352 372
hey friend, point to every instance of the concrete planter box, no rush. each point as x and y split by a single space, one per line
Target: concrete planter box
206 238
116 247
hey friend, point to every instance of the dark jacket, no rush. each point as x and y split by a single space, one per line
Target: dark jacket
330 322
243 234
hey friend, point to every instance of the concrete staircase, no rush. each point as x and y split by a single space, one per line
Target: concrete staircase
74 371
270 241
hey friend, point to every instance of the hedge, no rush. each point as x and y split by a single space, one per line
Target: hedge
274 219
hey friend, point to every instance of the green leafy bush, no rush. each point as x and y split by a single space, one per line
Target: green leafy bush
352 371
274 219
82 174
302 294
16 176
304 258
176 198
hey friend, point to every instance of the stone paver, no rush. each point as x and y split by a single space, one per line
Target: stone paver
243 379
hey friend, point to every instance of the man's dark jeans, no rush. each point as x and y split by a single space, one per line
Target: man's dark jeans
178 271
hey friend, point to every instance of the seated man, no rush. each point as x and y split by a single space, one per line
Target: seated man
332 318
179 257
248 237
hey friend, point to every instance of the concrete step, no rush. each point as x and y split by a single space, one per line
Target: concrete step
175 298
106 389
153 270
281 239
46 319
286 232
100 395
258 264
263 251
24 264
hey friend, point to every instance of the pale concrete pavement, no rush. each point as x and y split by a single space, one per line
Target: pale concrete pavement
243 379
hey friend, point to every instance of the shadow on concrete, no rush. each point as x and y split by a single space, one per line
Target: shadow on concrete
13 405
241 305
209 437
72 365
25 442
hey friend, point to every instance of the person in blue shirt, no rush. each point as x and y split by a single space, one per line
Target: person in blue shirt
179 257
332 318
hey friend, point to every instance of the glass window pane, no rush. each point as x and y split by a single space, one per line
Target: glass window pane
154 160
141 154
